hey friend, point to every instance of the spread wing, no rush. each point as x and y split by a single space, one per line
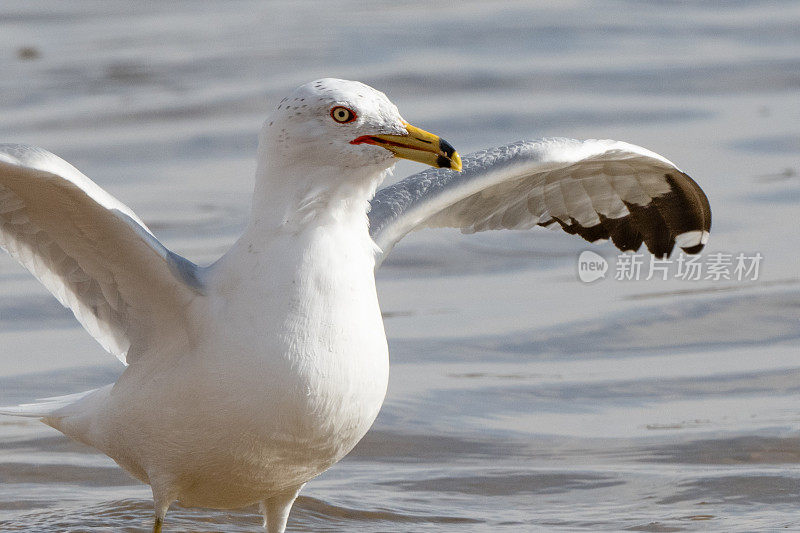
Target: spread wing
598 189
93 253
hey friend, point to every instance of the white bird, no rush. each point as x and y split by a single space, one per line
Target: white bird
251 376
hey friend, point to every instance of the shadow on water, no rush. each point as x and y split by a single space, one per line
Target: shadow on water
504 483
739 490
737 450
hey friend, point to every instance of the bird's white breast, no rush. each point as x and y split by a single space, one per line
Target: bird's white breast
297 347
288 371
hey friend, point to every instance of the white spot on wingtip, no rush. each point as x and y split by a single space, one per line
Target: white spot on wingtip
691 238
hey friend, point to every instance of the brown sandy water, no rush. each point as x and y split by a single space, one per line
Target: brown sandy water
520 399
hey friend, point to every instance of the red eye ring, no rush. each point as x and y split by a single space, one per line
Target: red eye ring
343 115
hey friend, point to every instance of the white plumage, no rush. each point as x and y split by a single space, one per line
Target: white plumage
91 251
598 189
251 376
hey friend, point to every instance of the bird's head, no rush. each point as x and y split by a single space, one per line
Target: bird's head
347 125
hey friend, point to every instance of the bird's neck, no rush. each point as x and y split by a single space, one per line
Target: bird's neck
296 209
291 197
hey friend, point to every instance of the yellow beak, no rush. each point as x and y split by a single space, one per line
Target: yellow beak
418 145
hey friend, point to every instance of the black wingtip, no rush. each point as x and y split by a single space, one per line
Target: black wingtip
693 249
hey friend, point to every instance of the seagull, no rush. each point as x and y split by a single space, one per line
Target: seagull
246 378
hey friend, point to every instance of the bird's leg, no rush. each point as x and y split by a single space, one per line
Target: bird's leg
162 498
161 512
276 509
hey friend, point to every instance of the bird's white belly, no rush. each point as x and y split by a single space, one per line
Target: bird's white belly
272 442
291 377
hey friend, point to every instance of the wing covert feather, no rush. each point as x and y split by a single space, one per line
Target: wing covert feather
92 253
597 189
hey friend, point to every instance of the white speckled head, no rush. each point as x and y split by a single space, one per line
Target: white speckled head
314 126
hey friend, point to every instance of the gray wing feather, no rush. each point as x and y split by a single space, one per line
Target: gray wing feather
93 253
597 189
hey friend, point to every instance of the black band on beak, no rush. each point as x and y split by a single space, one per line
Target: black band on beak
447 148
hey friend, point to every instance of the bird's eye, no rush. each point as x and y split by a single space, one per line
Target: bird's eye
342 115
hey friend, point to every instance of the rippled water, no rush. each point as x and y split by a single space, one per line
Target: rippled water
520 398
